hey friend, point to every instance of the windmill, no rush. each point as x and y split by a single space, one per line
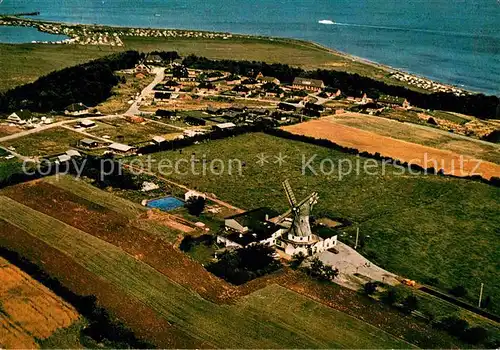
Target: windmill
300 210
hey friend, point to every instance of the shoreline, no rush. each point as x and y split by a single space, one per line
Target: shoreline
406 77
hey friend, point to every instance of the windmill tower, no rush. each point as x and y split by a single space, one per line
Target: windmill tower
300 229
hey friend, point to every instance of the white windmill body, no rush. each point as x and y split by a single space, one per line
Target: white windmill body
300 228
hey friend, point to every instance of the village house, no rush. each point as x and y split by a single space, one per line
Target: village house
121 149
192 193
363 100
233 80
76 109
394 101
154 59
86 123
224 126
73 153
308 84
142 68
16 119
158 139
265 79
248 228
88 143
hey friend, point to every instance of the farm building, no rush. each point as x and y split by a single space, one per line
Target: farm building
307 84
192 193
76 109
121 148
142 69
263 79
292 107
89 143
87 123
158 139
16 119
73 153
153 59
251 227
224 126
394 101
162 96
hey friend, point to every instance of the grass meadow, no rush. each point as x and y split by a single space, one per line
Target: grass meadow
23 63
427 228
251 322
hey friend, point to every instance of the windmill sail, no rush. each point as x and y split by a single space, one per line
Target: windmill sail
300 226
289 194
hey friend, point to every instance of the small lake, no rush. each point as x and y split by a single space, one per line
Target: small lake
20 35
165 204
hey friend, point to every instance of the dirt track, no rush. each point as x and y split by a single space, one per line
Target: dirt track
452 163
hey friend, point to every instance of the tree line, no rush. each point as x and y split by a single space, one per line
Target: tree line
89 83
352 84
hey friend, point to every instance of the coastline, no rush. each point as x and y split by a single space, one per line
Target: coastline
42 26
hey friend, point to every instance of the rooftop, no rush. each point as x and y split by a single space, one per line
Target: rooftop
76 107
308 82
120 147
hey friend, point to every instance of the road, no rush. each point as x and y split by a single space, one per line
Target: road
148 90
51 126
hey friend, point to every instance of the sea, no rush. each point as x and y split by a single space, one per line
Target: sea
453 41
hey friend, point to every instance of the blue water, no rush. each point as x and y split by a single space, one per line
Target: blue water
165 204
456 41
19 35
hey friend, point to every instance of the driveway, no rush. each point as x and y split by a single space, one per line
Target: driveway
354 269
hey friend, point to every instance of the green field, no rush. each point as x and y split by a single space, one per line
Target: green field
272 317
23 63
421 227
44 143
120 130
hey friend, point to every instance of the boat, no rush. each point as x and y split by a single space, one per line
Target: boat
326 21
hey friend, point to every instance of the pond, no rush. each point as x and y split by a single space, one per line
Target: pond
20 35
165 204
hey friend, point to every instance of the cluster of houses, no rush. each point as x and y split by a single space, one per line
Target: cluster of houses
25 119
182 82
427 84
102 35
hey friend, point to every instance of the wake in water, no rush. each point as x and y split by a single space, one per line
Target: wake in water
330 22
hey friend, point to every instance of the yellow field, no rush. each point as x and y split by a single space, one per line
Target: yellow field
29 310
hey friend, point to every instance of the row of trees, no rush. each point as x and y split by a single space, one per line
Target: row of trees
89 83
478 105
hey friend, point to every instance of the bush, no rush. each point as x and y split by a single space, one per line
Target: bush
318 270
297 260
453 325
458 291
410 303
475 335
370 288
195 205
395 295
242 265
